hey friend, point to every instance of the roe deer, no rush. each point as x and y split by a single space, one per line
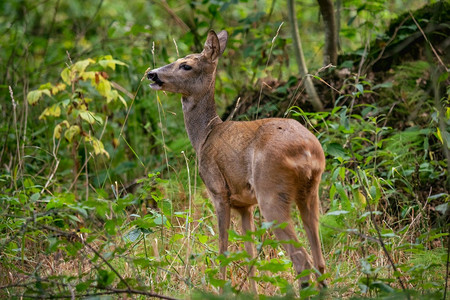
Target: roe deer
271 162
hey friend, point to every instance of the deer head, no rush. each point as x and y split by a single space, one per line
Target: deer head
193 74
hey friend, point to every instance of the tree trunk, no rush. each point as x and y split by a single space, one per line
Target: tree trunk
329 20
303 70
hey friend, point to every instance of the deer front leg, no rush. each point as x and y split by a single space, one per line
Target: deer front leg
222 207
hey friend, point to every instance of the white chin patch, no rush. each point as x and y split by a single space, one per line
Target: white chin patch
155 86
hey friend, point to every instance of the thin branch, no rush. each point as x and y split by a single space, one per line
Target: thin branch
73 236
265 69
386 45
447 267
429 43
386 252
111 292
89 23
249 270
14 104
380 238
175 17
353 232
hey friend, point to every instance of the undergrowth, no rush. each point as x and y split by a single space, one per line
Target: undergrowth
383 226
99 188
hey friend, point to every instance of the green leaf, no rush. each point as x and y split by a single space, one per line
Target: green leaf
74 218
54 111
274 266
66 76
443 77
111 63
58 88
103 87
336 150
81 65
342 194
123 101
165 205
366 268
445 136
34 96
133 235
70 133
374 193
176 237
83 286
110 227
202 238
104 278
337 213
58 129
142 262
360 88
161 220
384 85
216 282
383 287
97 145
90 117
443 208
234 236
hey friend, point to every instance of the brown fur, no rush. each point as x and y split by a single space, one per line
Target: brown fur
269 162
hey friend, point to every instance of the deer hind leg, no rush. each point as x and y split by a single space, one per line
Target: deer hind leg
308 204
277 208
248 225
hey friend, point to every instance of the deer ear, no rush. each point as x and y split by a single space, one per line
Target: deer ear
223 38
212 46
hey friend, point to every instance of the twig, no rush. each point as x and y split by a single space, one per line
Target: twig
188 231
79 172
386 252
238 104
386 45
354 232
361 63
107 291
176 47
54 152
14 104
122 89
377 229
176 18
323 81
429 43
110 292
447 268
51 176
267 64
249 270
89 23
121 131
73 236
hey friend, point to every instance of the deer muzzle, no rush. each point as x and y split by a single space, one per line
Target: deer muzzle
157 82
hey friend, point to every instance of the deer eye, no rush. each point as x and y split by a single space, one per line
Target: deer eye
185 67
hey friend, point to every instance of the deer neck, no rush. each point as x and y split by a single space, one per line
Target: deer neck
200 117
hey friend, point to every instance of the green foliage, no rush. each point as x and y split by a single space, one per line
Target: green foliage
377 174
72 97
96 198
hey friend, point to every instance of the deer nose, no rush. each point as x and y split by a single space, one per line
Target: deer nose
152 76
